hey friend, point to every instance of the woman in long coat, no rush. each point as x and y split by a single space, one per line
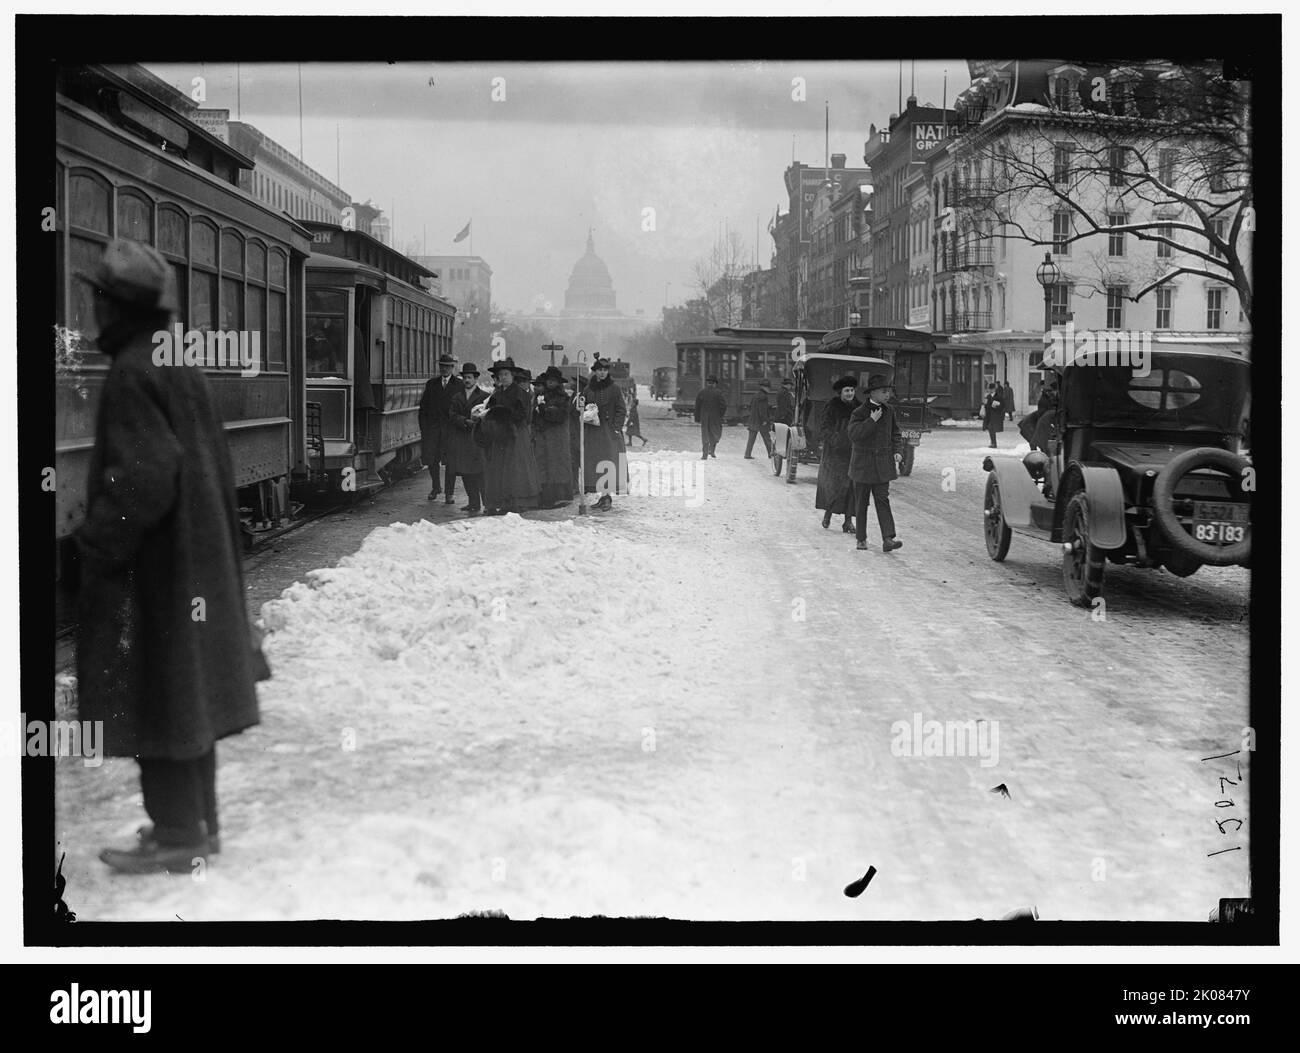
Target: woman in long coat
605 453
834 487
551 442
509 474
464 455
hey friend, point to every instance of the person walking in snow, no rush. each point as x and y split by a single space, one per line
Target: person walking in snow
834 487
710 412
877 450
603 418
760 420
993 410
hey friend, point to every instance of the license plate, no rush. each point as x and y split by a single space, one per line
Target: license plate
909 434
1218 523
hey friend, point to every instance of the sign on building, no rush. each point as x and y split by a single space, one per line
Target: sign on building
926 136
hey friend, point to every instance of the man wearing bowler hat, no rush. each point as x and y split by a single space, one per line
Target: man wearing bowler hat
161 533
760 420
710 412
464 455
785 403
877 451
435 423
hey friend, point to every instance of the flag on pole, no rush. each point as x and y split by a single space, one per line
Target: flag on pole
464 233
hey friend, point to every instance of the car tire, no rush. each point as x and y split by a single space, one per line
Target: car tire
997 535
1162 500
1083 567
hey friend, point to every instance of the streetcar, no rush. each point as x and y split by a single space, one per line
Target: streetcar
373 338
740 358
663 386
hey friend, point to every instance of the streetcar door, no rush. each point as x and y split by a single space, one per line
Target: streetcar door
329 364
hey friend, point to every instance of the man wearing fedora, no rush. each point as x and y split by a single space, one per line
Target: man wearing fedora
435 423
710 412
161 531
785 404
464 455
877 450
760 420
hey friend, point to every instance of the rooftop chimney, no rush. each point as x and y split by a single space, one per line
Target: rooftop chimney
838 160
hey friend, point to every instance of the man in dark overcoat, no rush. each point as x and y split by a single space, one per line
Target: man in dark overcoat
710 412
165 657
994 411
435 424
509 471
604 456
464 455
785 403
877 450
760 420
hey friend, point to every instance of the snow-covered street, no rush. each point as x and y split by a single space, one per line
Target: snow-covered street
703 705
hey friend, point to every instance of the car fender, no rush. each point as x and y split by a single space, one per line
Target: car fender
1107 528
1017 491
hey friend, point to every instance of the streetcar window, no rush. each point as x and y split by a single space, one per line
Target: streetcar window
278 268
939 369
327 340
232 252
256 262
85 255
205 243
134 218
203 299
775 365
232 307
275 329
90 203
753 365
172 232
692 361
256 303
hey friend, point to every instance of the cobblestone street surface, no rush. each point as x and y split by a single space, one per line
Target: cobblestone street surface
710 708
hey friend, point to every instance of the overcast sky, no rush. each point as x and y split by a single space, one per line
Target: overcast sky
571 146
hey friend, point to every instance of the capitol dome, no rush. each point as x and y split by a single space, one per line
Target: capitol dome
591 289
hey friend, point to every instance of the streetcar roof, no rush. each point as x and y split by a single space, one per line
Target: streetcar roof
845 361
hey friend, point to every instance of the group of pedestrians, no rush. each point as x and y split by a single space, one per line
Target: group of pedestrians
861 447
711 413
513 440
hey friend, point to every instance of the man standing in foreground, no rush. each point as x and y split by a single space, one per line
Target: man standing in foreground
785 403
435 424
877 450
164 653
710 411
760 420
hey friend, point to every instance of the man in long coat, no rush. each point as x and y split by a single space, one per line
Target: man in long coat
604 456
785 403
760 420
710 411
164 653
994 411
435 425
509 472
464 455
551 441
877 449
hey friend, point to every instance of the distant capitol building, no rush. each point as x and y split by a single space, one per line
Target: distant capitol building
590 319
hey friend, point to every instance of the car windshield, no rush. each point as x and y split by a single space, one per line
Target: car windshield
1190 392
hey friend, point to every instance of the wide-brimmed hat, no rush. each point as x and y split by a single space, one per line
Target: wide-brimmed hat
849 381
552 373
877 380
135 275
468 368
505 363
600 363
523 374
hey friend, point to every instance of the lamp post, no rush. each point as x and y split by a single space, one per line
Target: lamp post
1049 274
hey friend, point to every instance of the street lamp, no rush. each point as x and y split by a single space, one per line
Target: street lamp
1049 274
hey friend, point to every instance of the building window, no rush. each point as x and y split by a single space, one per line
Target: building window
1220 229
1164 251
1167 160
1116 239
1117 165
1060 234
1214 309
1060 303
1164 307
1061 162
1115 306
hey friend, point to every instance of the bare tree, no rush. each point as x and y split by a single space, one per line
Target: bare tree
717 278
1161 154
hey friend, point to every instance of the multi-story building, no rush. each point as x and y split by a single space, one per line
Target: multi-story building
992 197
465 281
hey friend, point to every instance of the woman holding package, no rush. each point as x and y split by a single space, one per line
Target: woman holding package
464 455
834 487
603 418
509 474
551 441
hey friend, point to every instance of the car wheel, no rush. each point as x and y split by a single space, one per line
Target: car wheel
1162 500
997 535
1083 566
909 458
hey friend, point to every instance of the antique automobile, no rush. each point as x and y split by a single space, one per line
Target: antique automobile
1141 467
901 354
663 385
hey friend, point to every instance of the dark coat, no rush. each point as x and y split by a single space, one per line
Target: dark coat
551 440
435 409
167 675
710 412
464 455
834 487
509 471
993 415
874 444
604 441
760 413
785 405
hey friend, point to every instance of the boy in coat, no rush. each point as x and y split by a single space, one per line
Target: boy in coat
877 450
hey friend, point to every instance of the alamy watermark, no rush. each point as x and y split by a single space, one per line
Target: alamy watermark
53 738
214 348
659 477
946 738
1109 347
